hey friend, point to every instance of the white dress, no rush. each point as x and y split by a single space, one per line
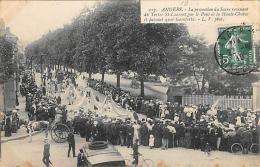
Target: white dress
238 123
151 141
136 132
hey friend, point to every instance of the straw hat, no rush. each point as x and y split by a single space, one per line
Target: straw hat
14 111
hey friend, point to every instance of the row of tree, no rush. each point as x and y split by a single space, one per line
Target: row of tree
111 37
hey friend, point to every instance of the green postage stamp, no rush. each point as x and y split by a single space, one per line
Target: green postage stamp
234 50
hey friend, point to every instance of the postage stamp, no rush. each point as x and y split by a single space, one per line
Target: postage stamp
234 49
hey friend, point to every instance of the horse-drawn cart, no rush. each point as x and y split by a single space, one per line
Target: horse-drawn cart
60 129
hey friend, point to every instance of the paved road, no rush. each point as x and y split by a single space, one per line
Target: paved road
22 152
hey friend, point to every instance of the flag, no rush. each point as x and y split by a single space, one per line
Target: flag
135 116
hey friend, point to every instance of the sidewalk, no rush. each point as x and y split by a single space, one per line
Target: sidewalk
21 134
22 114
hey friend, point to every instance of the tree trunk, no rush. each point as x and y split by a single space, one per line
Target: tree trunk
89 75
203 84
197 81
118 80
64 68
103 76
142 85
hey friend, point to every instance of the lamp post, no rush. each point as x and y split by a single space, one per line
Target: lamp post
16 75
1 121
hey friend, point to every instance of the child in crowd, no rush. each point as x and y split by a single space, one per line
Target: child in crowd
151 141
207 149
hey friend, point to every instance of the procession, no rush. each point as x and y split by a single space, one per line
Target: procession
105 90
166 128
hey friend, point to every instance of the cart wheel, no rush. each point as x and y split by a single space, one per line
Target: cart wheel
59 133
254 148
236 148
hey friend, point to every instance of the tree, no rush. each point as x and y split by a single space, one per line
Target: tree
7 64
130 45
114 37
193 58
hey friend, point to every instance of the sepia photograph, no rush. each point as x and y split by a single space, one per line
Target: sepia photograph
129 83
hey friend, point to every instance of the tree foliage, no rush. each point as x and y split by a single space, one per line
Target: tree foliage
111 37
7 64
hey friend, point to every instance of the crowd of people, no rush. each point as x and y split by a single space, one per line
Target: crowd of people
41 103
38 106
161 133
165 126
11 122
172 125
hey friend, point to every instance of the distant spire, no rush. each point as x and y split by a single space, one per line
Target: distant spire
2 26
2 23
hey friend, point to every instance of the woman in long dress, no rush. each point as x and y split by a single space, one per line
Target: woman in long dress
187 138
136 132
7 127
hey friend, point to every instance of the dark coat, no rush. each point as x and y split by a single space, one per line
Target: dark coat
59 100
46 150
82 160
71 139
165 132
219 132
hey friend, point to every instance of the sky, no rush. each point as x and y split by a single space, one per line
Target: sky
29 20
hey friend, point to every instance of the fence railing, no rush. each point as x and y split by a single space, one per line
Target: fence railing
221 101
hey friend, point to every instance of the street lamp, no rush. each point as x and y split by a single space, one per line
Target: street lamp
15 50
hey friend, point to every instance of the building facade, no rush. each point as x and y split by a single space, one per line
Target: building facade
8 87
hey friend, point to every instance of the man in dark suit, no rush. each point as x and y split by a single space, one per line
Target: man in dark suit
59 100
44 90
71 141
136 153
129 135
46 153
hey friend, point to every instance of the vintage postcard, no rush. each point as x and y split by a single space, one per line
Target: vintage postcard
129 83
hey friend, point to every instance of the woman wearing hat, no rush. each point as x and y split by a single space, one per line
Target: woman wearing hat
7 127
